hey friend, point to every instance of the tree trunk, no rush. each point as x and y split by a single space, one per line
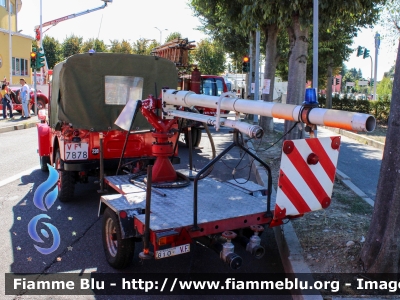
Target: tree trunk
271 33
298 40
381 251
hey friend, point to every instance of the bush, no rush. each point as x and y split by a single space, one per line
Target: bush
380 108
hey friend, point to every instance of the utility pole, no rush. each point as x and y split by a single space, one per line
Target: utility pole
257 72
377 43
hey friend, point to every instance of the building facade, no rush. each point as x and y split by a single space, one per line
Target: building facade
15 47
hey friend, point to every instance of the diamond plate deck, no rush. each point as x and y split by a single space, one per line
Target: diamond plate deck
248 187
216 201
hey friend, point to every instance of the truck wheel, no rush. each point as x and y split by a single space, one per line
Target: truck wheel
196 137
66 181
44 160
119 252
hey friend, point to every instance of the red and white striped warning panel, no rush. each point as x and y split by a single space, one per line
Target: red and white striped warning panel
306 177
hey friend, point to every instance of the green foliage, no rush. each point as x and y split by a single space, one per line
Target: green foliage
379 108
120 47
95 44
172 36
384 88
221 20
210 57
71 45
142 46
52 48
390 20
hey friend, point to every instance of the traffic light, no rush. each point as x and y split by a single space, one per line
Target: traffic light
37 31
359 51
33 58
40 59
366 53
246 64
337 81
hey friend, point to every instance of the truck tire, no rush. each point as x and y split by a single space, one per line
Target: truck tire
196 137
66 181
119 252
44 160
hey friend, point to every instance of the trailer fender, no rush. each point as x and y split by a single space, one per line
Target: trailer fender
125 217
44 132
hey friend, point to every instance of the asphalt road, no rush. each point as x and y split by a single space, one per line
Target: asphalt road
79 226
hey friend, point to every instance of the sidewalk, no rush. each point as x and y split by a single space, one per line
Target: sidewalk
17 123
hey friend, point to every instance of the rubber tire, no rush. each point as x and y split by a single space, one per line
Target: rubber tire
44 160
41 105
196 137
119 252
66 185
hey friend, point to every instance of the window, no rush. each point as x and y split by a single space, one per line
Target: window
19 67
120 89
220 86
11 8
3 3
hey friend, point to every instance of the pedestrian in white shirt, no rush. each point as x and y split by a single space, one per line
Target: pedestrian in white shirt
25 97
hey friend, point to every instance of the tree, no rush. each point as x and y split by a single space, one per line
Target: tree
381 251
210 57
71 45
120 47
94 44
385 87
143 46
52 50
172 36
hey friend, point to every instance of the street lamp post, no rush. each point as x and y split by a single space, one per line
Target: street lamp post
160 30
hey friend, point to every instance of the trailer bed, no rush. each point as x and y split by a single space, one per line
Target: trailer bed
217 201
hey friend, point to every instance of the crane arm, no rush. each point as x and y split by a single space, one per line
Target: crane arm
56 21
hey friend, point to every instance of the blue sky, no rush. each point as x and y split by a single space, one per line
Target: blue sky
132 19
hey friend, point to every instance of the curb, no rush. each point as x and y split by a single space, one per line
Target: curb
289 246
9 128
362 139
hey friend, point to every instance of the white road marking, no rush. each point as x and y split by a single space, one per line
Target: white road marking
17 176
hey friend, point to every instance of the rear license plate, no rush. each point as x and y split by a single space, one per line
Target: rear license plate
172 251
76 151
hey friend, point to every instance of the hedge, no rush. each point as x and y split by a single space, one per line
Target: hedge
378 108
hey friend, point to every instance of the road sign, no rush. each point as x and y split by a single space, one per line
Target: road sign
350 84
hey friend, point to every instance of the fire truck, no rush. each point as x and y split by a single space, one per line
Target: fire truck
108 120
177 51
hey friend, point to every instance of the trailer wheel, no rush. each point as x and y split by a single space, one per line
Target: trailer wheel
66 181
196 137
119 252
44 160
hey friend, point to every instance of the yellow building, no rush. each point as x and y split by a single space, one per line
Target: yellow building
14 56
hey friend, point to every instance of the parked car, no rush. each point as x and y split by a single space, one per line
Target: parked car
42 99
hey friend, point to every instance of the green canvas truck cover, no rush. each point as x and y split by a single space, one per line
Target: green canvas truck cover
78 91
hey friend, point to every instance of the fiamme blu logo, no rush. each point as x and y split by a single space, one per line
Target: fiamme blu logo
44 198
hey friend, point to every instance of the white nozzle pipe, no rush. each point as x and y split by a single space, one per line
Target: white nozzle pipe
318 116
254 131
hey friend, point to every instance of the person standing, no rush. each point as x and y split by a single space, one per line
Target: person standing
25 97
6 101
